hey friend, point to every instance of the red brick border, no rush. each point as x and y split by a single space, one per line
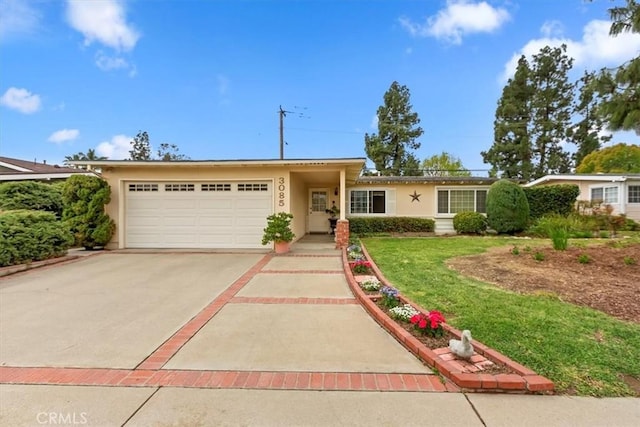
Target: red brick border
299 300
267 380
525 380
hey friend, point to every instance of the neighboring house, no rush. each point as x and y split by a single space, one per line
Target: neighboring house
621 191
21 170
224 203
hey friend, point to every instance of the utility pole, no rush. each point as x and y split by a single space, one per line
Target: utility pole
282 116
283 113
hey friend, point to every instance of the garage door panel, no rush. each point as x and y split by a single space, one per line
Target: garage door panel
197 219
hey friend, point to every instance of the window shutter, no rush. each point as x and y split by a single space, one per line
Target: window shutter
391 202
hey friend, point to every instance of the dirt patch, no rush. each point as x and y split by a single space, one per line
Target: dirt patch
608 280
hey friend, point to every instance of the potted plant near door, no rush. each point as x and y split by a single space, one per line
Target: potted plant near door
279 232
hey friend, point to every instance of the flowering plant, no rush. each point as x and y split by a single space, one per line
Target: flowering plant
355 252
361 266
403 312
429 324
389 296
372 284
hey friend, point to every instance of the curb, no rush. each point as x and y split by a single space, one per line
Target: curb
523 381
19 268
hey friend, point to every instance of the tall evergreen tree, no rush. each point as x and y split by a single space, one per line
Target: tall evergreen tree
510 155
551 110
586 133
621 87
397 133
532 118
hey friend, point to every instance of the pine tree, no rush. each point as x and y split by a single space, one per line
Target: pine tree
532 118
586 132
621 87
551 110
510 155
397 133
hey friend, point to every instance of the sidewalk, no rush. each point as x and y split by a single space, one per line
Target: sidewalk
285 344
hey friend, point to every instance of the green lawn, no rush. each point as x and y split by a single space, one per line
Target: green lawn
581 350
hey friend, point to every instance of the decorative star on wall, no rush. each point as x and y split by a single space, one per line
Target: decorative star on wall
415 197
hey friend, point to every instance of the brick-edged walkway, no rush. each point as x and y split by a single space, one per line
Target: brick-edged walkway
150 372
273 380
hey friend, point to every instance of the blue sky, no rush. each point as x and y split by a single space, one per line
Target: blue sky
209 76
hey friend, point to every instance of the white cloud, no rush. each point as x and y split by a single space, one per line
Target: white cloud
109 63
459 18
17 17
596 49
552 29
102 21
117 148
63 135
21 100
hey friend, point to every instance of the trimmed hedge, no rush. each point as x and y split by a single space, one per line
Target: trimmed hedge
507 207
470 223
31 195
31 236
551 199
390 224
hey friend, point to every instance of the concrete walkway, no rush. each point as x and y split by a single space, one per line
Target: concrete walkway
237 339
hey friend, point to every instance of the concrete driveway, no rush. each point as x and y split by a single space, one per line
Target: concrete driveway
110 310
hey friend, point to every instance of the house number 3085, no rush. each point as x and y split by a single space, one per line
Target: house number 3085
281 189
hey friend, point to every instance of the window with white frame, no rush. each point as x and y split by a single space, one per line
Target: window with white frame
604 194
634 194
368 202
452 201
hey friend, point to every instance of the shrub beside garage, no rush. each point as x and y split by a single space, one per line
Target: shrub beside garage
27 236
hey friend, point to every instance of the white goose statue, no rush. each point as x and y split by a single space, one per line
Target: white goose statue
462 348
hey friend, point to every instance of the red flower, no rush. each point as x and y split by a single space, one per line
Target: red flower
423 323
415 319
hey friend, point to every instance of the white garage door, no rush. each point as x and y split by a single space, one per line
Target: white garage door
196 214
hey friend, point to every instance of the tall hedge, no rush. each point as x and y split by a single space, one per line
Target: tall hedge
31 195
551 199
507 207
31 236
361 226
84 200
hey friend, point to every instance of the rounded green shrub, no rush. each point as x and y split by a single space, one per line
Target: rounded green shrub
507 207
470 223
84 200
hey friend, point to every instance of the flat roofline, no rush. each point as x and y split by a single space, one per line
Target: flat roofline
584 177
230 162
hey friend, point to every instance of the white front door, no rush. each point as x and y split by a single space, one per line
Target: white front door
318 205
